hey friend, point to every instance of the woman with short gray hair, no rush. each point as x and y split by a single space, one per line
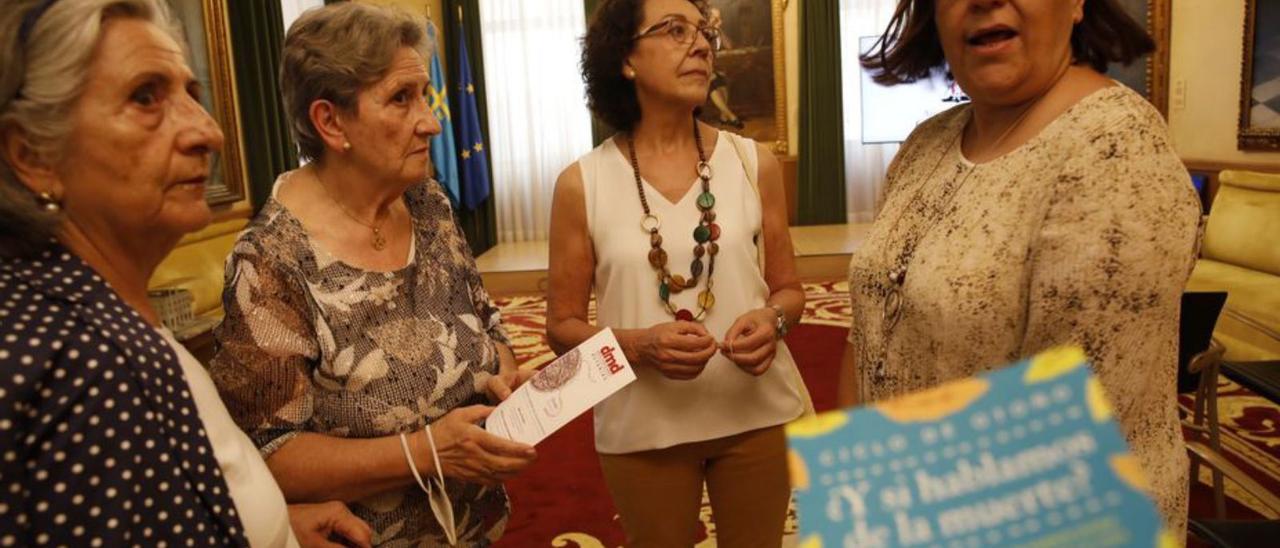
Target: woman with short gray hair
359 347
111 433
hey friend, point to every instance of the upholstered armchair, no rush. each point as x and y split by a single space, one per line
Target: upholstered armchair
1241 255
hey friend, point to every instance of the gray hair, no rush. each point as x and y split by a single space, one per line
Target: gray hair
40 81
335 51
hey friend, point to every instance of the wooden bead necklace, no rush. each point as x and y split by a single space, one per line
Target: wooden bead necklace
704 237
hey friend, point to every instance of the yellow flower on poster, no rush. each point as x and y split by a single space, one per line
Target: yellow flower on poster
817 425
1129 470
1052 363
1096 398
936 403
799 471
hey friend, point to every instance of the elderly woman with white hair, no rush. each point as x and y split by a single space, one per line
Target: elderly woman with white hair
112 434
359 348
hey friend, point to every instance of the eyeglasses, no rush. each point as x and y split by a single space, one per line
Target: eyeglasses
683 32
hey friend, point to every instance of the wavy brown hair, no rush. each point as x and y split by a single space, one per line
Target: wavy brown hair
909 48
605 47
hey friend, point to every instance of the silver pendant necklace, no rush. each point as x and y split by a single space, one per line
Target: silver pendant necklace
897 274
892 294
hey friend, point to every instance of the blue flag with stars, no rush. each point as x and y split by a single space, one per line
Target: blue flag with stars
444 152
472 168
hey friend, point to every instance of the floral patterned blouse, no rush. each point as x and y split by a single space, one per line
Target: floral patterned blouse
311 344
1084 235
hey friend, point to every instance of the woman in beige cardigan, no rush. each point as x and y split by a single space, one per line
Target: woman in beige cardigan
1052 210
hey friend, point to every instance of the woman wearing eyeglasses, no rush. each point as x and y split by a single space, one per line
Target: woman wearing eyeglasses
667 221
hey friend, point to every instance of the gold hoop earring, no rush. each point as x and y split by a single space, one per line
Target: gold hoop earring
48 203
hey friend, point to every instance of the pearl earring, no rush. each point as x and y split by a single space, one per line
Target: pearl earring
346 145
48 203
630 73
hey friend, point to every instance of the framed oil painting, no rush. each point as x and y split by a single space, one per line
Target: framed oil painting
1260 80
204 23
749 89
1149 75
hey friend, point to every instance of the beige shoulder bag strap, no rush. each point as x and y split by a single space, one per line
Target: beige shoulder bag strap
753 176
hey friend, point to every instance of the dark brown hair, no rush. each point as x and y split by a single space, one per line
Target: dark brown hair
608 42
909 48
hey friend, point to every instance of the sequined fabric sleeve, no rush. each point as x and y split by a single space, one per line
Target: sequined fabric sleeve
1107 271
266 347
484 307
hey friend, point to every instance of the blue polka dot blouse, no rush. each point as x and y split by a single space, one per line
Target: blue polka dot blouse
100 441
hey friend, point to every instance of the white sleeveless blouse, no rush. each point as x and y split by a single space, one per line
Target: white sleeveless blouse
656 412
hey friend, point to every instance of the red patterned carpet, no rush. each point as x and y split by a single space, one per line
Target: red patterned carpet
561 501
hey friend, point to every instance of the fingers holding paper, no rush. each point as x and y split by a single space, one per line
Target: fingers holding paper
469 453
501 386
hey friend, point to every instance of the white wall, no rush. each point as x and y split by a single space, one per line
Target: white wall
291 9
1204 82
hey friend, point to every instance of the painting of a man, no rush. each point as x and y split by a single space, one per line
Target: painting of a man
742 89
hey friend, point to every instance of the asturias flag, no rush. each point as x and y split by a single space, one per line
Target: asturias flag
444 153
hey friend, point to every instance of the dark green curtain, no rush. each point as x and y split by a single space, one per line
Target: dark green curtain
821 193
479 225
257 37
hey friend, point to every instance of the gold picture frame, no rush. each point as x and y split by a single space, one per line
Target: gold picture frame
745 106
1151 77
780 145
1159 25
204 22
1252 135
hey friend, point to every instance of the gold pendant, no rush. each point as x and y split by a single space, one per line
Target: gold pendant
379 242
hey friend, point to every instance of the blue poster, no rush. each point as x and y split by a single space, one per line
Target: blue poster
1028 455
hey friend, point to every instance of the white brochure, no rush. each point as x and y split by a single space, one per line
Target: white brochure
562 390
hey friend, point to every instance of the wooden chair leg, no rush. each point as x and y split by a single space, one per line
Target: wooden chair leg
1208 364
1197 426
1215 442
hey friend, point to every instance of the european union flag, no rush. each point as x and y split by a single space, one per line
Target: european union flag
444 152
472 167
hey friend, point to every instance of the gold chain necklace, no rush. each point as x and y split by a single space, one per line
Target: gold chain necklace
378 242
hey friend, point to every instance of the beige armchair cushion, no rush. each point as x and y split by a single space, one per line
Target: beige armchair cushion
1244 225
